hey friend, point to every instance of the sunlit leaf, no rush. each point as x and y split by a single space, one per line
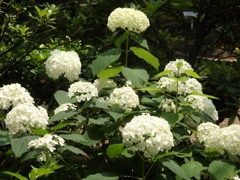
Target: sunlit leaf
137 76
114 150
146 56
105 59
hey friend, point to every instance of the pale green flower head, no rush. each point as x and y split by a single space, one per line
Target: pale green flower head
128 19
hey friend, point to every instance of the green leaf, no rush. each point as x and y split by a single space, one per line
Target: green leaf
192 73
4 138
20 145
163 73
205 95
103 175
40 12
38 172
193 169
62 97
73 137
147 56
179 65
126 153
74 150
137 76
62 115
109 72
105 59
138 39
41 131
114 150
171 117
92 136
174 167
121 39
62 124
221 170
149 89
153 5
100 121
19 176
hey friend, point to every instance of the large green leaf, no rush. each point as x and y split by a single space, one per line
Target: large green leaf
137 76
105 59
163 73
38 172
171 117
62 97
138 39
92 136
192 73
174 167
100 121
147 56
103 175
74 150
73 137
19 176
221 170
4 138
114 150
20 145
62 115
193 169
109 72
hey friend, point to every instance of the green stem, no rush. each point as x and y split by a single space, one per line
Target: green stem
127 46
148 170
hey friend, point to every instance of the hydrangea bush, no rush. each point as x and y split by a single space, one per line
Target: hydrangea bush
120 124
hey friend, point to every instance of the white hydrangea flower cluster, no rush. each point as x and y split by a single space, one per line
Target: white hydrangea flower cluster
48 141
83 91
226 138
173 66
124 97
128 18
23 117
65 107
203 104
104 83
66 63
148 134
13 94
209 133
168 105
182 88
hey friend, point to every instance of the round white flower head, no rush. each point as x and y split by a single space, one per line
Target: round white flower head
65 107
174 67
83 91
124 97
48 141
148 134
209 134
14 94
197 102
169 84
230 139
66 63
168 105
104 83
192 85
23 117
210 109
128 18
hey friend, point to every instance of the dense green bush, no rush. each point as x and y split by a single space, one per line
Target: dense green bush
136 84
